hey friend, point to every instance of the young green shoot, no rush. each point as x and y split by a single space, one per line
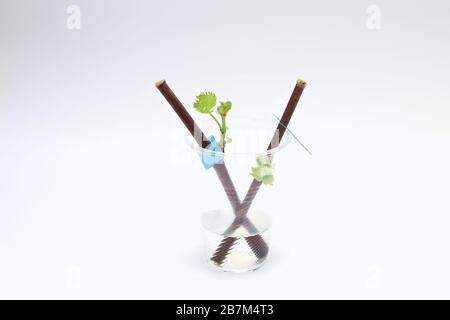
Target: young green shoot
263 172
205 103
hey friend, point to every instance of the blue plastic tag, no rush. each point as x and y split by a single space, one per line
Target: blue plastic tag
213 155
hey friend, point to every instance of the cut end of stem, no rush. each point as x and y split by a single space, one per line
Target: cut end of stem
301 83
160 82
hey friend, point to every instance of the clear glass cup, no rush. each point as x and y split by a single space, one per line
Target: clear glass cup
238 239
229 246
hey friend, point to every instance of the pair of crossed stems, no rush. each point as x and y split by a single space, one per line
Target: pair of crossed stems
240 209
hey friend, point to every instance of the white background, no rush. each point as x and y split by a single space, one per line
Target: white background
93 203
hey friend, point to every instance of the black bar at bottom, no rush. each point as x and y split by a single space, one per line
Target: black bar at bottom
226 309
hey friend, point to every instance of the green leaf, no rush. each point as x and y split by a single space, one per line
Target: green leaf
263 160
205 102
268 180
263 172
223 108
